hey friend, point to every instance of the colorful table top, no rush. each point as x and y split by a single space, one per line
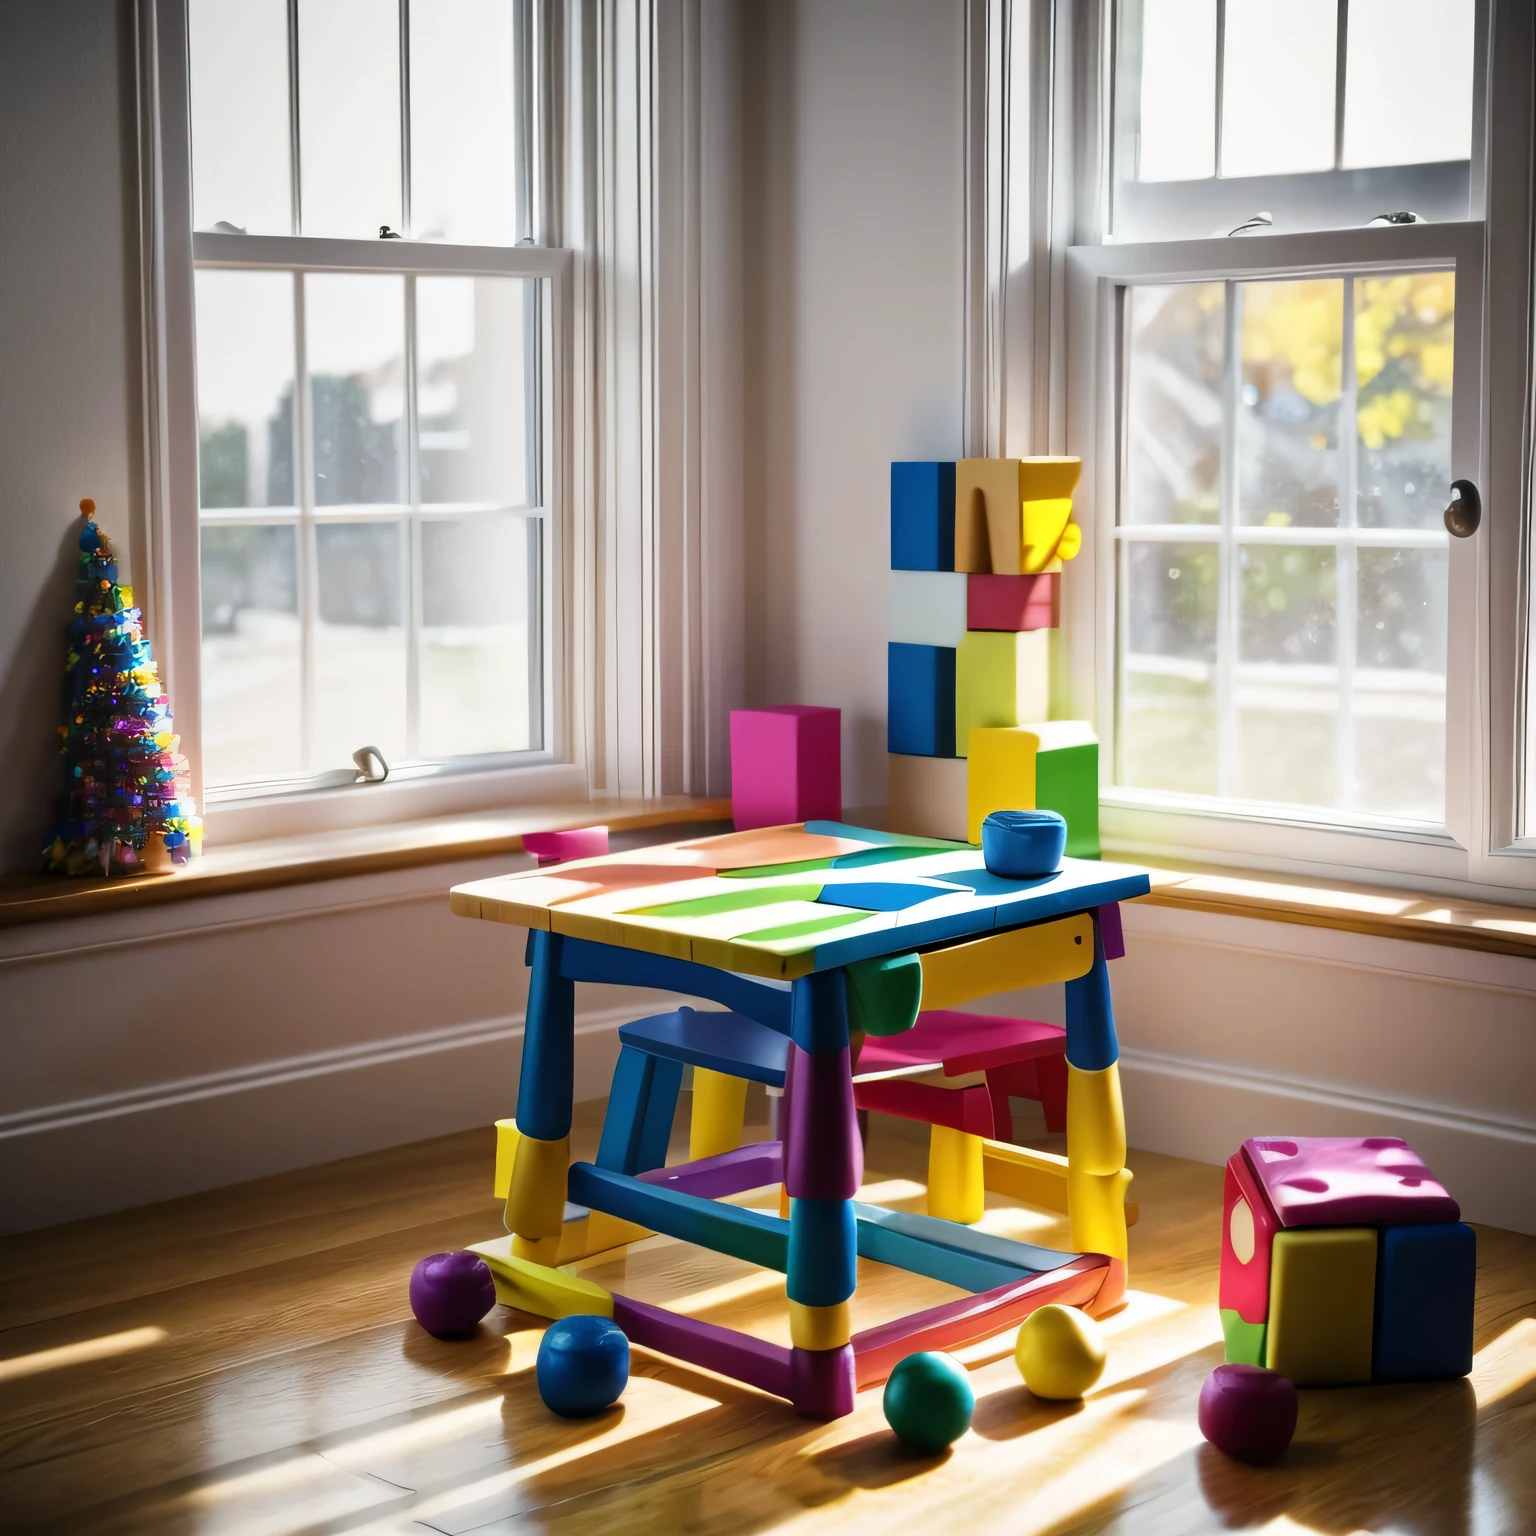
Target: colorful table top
785 901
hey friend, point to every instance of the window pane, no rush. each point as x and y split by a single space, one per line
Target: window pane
1168 735
1408 82
1404 353
1399 690
1278 87
245 389
239 83
1288 424
355 349
463 135
1174 415
1287 685
251 682
474 651
471 405
349 116
1176 139
359 642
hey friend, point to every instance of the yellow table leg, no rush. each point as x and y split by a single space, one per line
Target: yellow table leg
719 1113
956 1189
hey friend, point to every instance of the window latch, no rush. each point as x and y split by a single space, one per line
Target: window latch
1253 222
1465 511
371 767
386 233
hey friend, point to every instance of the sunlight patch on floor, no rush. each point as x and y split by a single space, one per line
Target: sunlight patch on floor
78 1354
1505 1364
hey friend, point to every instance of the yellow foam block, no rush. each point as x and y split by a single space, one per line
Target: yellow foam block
926 796
1049 534
1322 1300
539 1288
1011 514
956 1188
1005 764
1096 1207
1095 1119
1026 957
536 1190
719 1113
820 1327
1002 677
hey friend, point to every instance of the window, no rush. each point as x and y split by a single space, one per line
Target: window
1227 108
374 333
1289 658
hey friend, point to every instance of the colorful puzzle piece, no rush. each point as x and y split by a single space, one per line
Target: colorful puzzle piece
923 516
921 692
1001 678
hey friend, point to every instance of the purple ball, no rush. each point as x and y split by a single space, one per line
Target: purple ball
451 1292
1248 1412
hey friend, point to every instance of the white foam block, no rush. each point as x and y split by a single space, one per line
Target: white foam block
927 607
927 796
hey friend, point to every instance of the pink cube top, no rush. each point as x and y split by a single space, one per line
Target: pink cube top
1339 1181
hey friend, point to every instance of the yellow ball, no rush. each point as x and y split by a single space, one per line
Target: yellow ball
1060 1352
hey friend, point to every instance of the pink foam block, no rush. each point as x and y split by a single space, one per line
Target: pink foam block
1013 602
574 843
1339 1181
1248 1228
786 765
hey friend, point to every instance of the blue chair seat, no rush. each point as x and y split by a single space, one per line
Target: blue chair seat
723 1042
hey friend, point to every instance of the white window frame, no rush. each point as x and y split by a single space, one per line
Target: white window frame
169 570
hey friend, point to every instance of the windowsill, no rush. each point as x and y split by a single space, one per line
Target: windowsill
335 855
1376 910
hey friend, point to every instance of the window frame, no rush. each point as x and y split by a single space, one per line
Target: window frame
167 552
1469 851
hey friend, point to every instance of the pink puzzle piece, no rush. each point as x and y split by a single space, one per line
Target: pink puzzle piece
1341 1181
786 765
1248 1228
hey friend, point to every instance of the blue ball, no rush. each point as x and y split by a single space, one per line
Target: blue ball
583 1365
1023 845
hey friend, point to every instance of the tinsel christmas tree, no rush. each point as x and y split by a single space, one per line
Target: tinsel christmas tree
127 807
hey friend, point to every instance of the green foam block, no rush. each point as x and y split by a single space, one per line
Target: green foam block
1245 1341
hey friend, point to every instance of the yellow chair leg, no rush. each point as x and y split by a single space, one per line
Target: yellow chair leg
719 1113
956 1190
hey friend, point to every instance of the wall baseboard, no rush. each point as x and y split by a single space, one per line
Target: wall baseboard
1206 1110
90 1156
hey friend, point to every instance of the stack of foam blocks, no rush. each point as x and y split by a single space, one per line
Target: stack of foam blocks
976 554
1344 1260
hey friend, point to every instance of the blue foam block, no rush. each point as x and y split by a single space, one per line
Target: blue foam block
920 694
823 1252
1425 1280
723 1042
923 516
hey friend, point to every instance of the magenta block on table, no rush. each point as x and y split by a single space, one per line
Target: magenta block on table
1012 602
824 1158
574 843
786 765
1340 1181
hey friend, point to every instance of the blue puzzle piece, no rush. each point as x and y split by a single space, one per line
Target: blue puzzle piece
920 700
1426 1277
923 517
874 897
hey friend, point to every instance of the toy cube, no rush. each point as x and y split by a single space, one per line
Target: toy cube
923 517
920 717
1322 1305
926 608
1012 516
1342 1261
1001 678
1425 1280
926 796
786 765
1052 766
1013 602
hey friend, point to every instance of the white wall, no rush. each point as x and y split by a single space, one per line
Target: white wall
69 362
855 146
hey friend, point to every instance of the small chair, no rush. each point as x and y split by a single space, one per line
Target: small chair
911 1075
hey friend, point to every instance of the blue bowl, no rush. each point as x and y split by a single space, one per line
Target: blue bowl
1023 845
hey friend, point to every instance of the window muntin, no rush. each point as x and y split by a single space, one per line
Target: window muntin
370 469
1282 570
1321 113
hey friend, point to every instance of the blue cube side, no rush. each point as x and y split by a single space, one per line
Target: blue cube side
923 516
1426 1277
921 700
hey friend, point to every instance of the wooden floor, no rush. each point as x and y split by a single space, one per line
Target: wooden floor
246 1362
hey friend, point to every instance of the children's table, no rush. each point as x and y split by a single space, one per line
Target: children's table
818 931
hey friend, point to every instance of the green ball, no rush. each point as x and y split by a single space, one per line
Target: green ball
928 1401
